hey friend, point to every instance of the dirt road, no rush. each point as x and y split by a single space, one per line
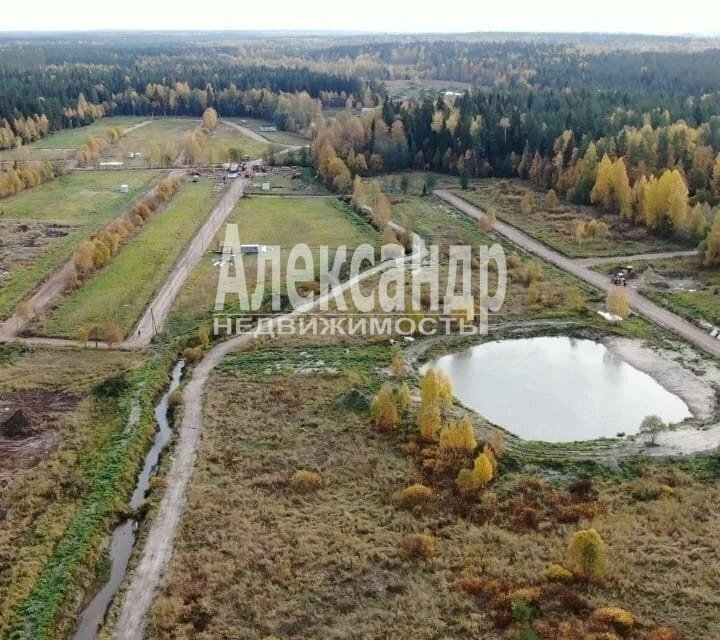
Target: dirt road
160 540
137 126
640 304
247 132
254 135
155 315
661 255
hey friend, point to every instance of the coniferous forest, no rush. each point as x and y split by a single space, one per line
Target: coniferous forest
559 110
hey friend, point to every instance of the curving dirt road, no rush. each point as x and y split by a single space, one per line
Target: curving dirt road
246 131
159 544
639 304
254 135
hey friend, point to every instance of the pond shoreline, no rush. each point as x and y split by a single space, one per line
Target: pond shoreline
680 370
676 378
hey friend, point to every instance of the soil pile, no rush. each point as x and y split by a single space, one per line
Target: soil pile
21 424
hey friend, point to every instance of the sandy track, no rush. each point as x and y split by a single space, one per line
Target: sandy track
158 547
247 132
154 317
661 255
640 304
137 126
254 135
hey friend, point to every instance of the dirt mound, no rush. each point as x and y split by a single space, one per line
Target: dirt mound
21 424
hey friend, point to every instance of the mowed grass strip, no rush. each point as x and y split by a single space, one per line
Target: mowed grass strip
85 200
268 220
122 290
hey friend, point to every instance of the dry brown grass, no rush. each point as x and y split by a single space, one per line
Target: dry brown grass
303 481
263 561
40 491
254 559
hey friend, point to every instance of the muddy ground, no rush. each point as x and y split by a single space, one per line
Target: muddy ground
40 437
21 242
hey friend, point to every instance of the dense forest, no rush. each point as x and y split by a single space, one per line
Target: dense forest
618 121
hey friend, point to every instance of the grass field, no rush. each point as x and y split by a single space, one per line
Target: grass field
555 228
258 558
224 138
680 284
121 291
436 221
45 477
69 138
269 221
161 133
534 288
286 138
59 216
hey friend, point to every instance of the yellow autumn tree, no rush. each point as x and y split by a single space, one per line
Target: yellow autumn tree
527 203
617 302
622 194
551 200
697 221
588 553
384 410
209 118
601 193
482 473
483 469
459 437
712 250
428 420
435 397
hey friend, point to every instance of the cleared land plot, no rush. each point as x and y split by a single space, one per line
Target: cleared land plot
256 556
420 88
556 228
680 284
41 227
46 473
270 221
286 138
281 181
121 291
162 137
534 288
224 138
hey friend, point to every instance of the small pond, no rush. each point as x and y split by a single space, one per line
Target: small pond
557 389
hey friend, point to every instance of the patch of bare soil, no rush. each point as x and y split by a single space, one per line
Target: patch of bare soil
22 241
696 391
26 427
